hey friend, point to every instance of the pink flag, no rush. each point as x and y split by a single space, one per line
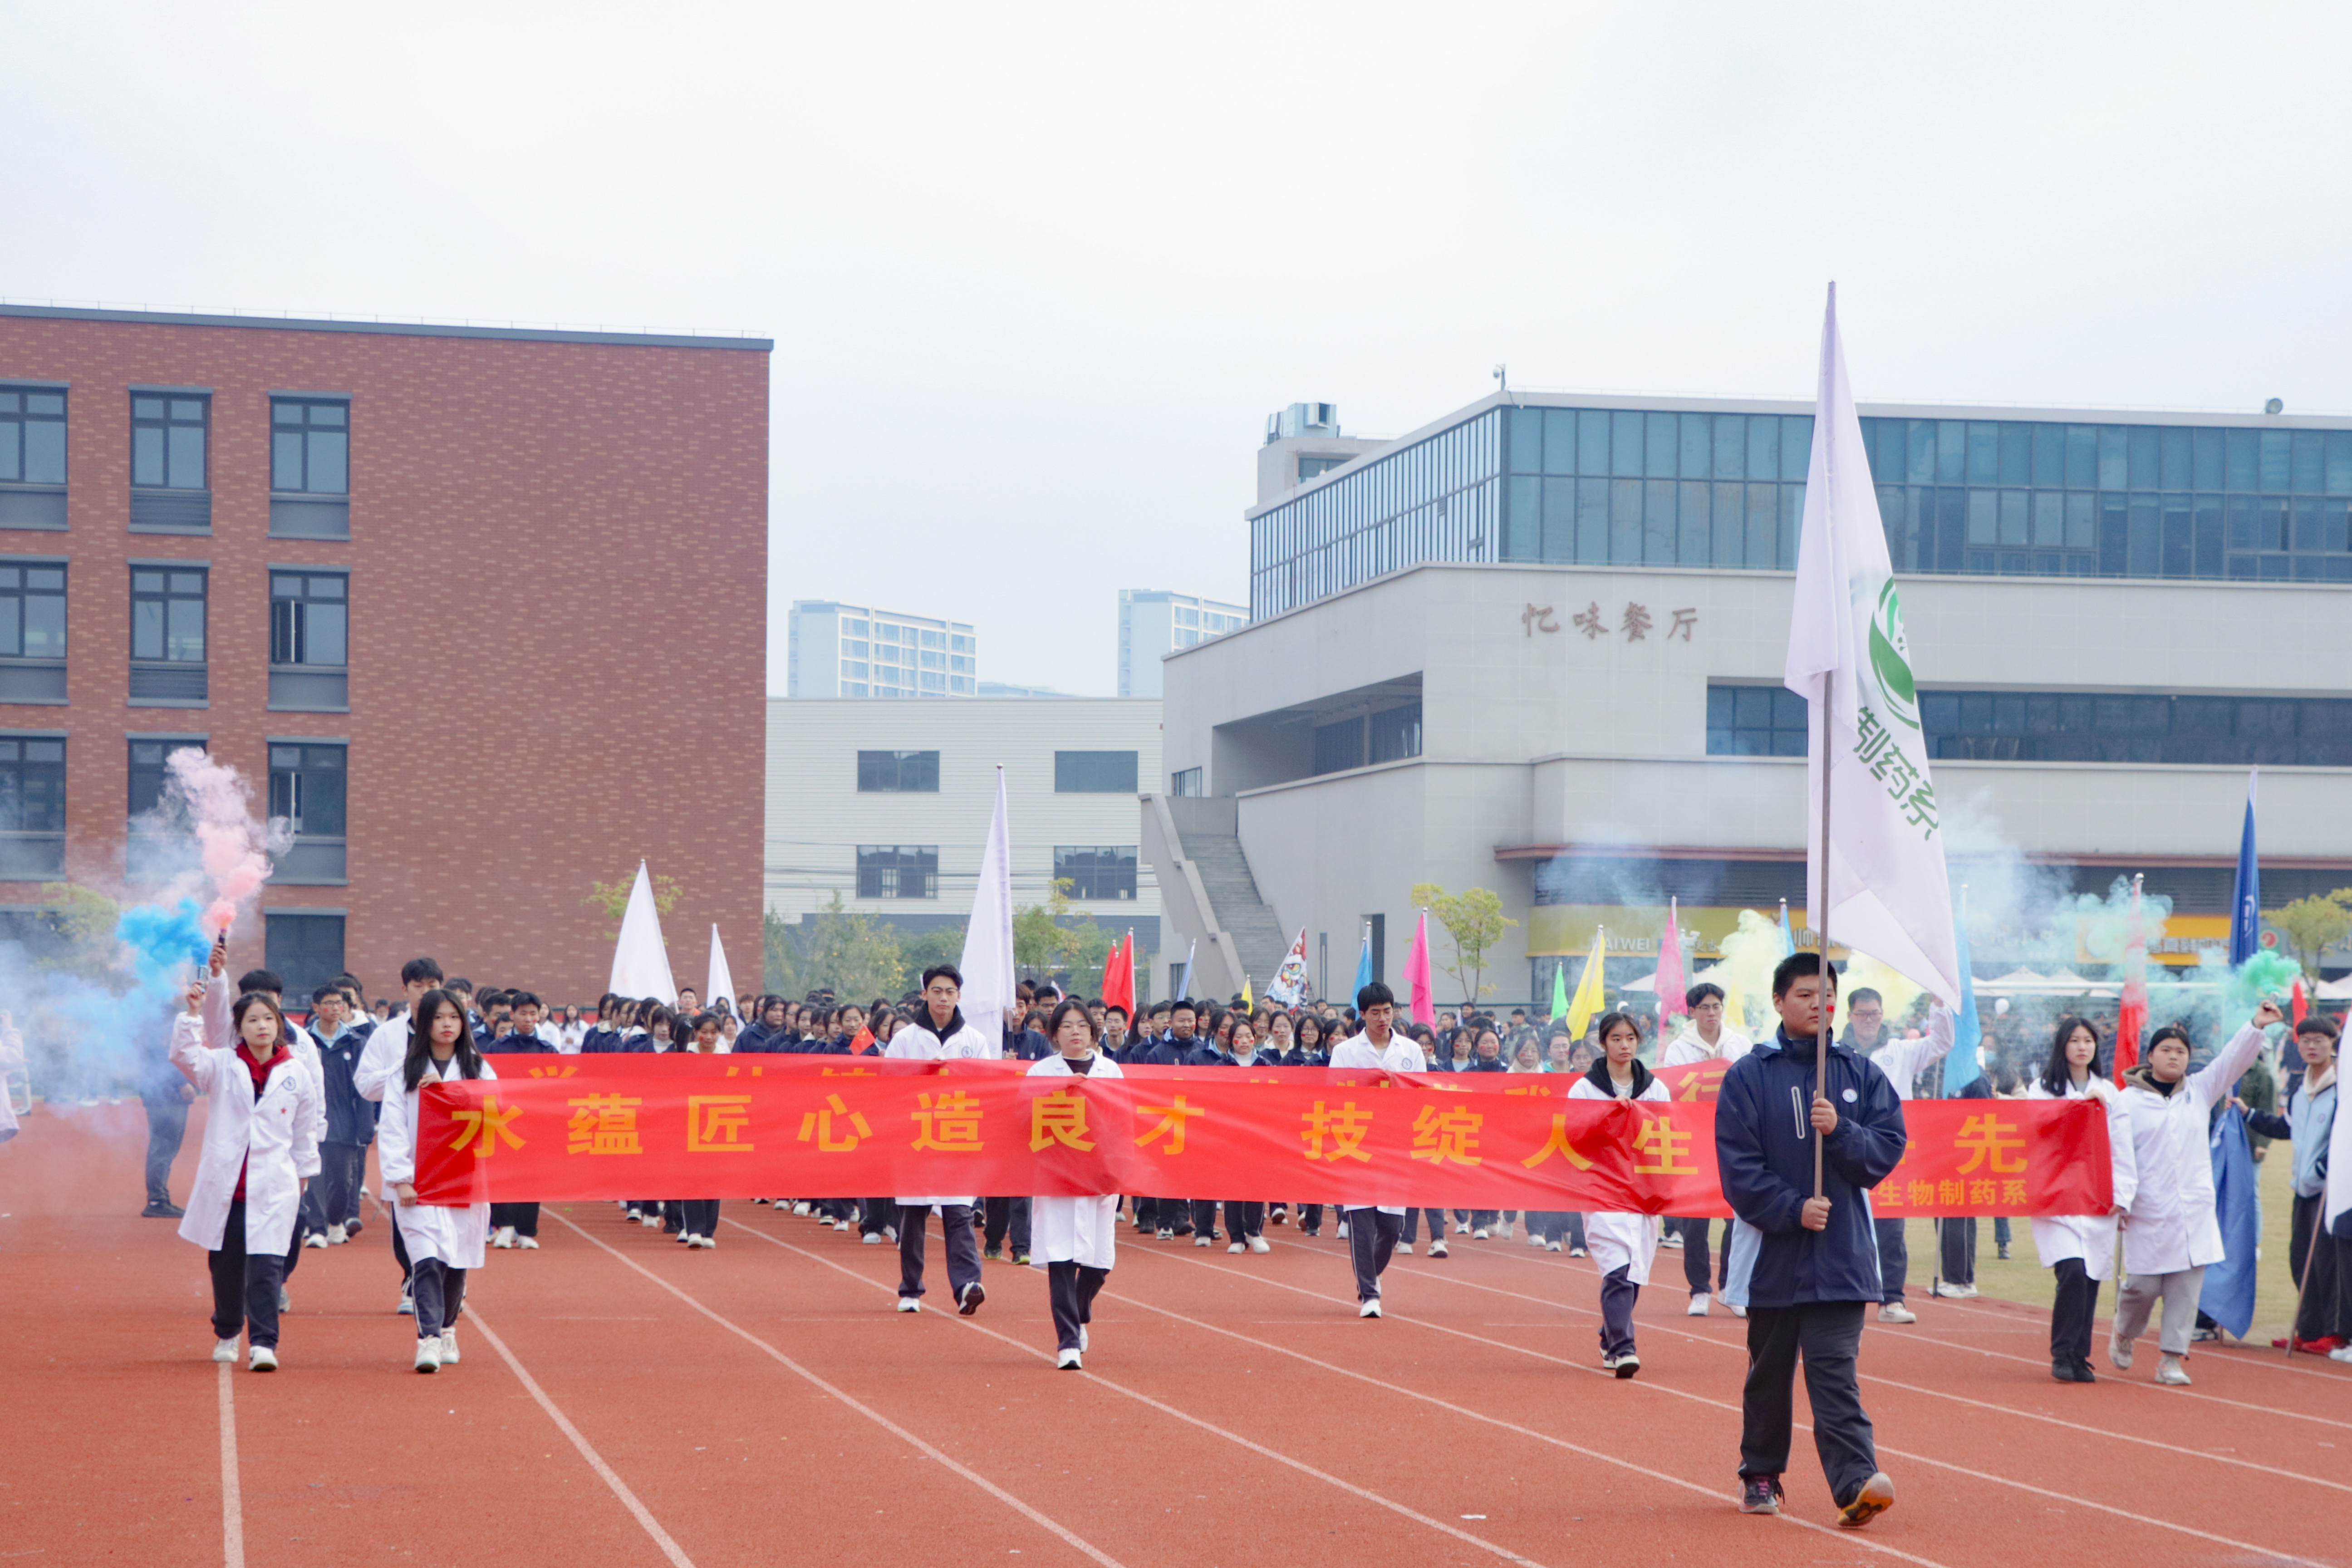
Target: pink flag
1670 982
1416 974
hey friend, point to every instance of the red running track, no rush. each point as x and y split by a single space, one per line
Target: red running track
623 1400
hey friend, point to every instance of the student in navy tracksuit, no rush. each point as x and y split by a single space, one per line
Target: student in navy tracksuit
1307 1050
517 1224
699 1218
1244 1222
1003 1216
350 1116
1816 1262
1172 1217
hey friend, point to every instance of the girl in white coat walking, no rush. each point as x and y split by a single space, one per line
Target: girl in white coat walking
2170 1234
443 1241
260 1144
1622 1245
2080 1248
1076 1239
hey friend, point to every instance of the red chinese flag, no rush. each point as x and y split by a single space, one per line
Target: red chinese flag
1118 977
2299 1004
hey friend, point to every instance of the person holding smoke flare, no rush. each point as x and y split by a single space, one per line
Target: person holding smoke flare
260 1146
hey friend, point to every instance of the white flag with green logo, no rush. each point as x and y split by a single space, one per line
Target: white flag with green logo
1880 876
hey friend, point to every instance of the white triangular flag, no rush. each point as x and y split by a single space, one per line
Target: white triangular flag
722 981
640 962
1879 881
988 976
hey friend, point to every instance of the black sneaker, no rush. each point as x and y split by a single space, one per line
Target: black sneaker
969 1302
993 1255
2064 1369
2082 1373
162 1210
1761 1495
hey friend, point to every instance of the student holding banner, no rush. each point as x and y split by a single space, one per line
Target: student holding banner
1623 1244
1076 1239
1374 1230
2080 1249
936 1031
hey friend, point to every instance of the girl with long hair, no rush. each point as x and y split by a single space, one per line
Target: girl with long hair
443 1241
2080 1249
1623 1244
1076 1239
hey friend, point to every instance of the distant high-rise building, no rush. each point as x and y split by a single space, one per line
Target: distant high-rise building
1152 624
855 650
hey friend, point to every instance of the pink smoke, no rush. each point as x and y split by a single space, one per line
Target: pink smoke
231 840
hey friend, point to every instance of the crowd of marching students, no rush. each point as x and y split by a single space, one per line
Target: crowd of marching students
295 1106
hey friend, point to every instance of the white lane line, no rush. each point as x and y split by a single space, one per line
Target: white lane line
232 1497
2144 1387
2068 1498
1065 1535
1505 1553
620 1489
1692 1336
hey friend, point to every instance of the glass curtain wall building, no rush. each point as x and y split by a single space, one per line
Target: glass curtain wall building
1525 477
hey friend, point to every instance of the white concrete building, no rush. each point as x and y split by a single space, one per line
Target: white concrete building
1587 741
856 650
1152 625
886 803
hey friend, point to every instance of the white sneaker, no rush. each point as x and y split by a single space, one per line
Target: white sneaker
1404 1250
1204 1239
909 1304
264 1358
2169 1371
335 1236
316 1238
1067 1360
1736 1311
1238 1246
1437 1249
284 1301
1896 1312
1952 1292
1551 1246
1576 1252
890 1234
636 1217
1461 1227
225 1350
873 1238
528 1243
1504 1232
1477 1235
1343 1230
707 1243
1371 1309
503 1237
1082 1336
800 1208
449 1347
1535 1238
1259 1244
1697 1308
407 1308
428 1356
2119 1353
2344 1354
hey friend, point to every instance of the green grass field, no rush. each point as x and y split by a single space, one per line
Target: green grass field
2022 1279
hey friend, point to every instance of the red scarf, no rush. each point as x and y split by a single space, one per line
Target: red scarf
260 1069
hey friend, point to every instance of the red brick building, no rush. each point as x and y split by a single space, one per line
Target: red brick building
482 611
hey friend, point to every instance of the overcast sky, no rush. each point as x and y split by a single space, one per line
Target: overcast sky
1036 275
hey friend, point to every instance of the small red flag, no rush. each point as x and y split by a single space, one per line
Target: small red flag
1118 977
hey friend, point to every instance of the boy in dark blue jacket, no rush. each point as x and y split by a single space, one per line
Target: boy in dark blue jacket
1816 1265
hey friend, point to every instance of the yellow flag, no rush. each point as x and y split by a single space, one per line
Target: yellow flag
1247 1004
1588 993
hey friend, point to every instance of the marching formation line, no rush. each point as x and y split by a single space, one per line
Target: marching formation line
643 1516
1067 1536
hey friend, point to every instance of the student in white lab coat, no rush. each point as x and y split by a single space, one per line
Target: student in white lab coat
381 1062
260 1144
1708 1036
2170 1233
1374 1231
443 1241
1622 1245
1076 1239
2080 1248
937 1030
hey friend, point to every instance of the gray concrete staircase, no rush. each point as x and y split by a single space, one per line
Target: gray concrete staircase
1209 897
1224 871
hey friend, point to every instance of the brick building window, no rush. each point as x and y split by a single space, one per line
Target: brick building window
1096 871
167 633
150 853
899 772
31 807
309 641
169 467
33 632
307 788
310 467
898 871
305 946
32 458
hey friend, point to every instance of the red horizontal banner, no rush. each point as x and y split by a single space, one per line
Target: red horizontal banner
735 1127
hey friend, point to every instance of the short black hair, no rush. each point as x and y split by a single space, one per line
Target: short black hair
933 972
523 999
268 980
417 969
1374 995
331 988
2171 1032
1798 963
1115 1007
458 983
2318 1023
1184 1004
1861 994
1702 992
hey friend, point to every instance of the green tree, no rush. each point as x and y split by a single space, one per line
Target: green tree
854 955
2314 924
613 898
1474 919
940 944
1048 939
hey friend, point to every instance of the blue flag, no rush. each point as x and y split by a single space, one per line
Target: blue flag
2246 892
1961 1068
1788 937
2228 1295
1364 960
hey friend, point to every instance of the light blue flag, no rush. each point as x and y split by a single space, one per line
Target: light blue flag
1788 937
2228 1295
1960 1065
1184 981
1364 960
